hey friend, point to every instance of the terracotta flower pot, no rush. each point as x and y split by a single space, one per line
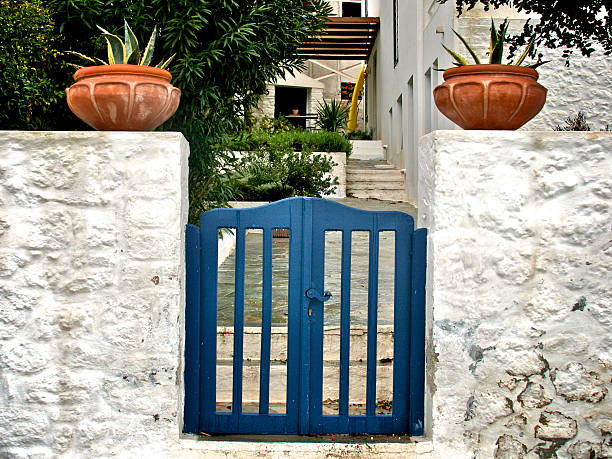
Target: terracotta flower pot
123 97
490 96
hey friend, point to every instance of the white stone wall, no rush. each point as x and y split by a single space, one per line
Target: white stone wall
338 171
266 103
91 293
519 305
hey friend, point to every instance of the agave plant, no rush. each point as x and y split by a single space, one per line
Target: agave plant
332 116
126 51
496 49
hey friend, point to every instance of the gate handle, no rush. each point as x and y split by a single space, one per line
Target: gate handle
314 294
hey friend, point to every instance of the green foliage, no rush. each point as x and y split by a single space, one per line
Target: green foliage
278 172
575 123
332 116
227 50
564 24
295 139
272 125
496 48
31 80
126 52
359 135
579 123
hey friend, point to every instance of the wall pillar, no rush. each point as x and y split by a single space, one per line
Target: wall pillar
91 292
519 308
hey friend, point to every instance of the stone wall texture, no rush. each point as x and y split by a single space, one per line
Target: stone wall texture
519 305
91 282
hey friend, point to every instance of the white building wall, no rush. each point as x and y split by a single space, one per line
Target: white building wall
410 81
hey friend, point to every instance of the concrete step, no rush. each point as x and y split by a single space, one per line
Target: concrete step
368 164
381 195
308 447
375 179
367 149
392 175
391 185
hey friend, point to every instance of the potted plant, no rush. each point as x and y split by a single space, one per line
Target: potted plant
332 116
491 96
125 93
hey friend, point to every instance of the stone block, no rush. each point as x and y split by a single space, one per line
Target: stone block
534 396
576 383
508 447
555 426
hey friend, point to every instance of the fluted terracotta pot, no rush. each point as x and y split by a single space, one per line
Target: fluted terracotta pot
490 96
123 97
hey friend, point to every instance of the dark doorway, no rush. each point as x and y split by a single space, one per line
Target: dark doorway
287 101
351 10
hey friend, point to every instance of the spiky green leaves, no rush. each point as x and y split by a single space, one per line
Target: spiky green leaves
469 48
526 52
496 48
127 51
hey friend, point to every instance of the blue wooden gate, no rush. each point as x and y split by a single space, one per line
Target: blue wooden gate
307 219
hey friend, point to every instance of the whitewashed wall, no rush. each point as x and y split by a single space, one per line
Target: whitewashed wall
91 292
519 304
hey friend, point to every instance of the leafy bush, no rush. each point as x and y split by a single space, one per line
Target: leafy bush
296 140
575 123
31 82
332 116
359 135
226 51
277 172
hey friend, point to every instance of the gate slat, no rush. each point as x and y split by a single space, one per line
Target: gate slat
417 329
345 322
401 329
372 319
266 324
238 323
317 321
209 238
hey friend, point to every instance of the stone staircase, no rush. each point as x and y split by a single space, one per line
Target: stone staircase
374 179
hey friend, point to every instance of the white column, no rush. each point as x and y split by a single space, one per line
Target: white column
91 292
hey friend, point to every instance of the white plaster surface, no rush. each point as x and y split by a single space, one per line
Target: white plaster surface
338 171
91 293
519 305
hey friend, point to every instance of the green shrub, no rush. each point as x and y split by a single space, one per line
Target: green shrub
33 77
277 172
359 135
296 139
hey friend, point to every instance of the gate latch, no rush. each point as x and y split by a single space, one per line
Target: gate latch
314 294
